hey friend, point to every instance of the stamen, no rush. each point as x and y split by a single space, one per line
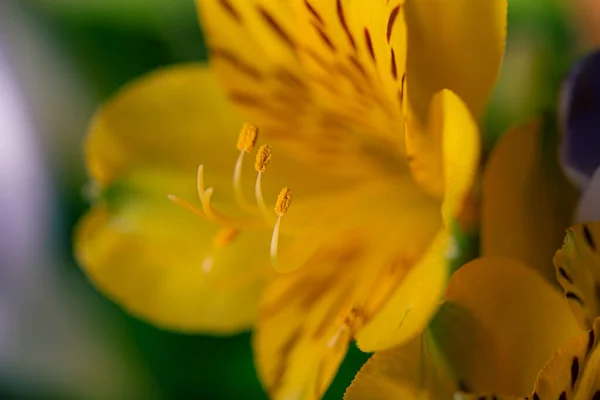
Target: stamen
245 144
281 206
262 160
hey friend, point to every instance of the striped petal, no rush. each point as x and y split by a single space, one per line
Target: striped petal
578 271
324 74
309 316
573 372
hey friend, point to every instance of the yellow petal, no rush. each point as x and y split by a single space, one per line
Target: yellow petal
414 371
455 45
526 201
578 271
526 318
166 265
324 73
309 316
412 304
175 118
444 153
572 373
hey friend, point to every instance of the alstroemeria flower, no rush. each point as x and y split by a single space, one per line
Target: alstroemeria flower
361 252
503 330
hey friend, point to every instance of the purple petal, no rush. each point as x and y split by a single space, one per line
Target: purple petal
580 112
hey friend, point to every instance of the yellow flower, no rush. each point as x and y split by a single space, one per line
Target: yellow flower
499 331
359 240
503 318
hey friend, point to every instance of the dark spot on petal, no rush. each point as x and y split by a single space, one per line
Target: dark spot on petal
342 17
277 29
591 339
314 12
394 68
574 372
535 396
573 296
563 396
358 66
596 395
325 38
564 274
231 10
391 21
369 44
236 62
588 237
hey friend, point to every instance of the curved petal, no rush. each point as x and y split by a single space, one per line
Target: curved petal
309 316
150 255
444 153
164 264
414 302
526 201
572 373
325 73
578 271
413 371
176 117
579 103
525 317
455 45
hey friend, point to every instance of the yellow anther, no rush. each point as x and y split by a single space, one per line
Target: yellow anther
247 138
263 157
283 201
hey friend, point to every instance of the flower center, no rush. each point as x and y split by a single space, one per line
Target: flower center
231 226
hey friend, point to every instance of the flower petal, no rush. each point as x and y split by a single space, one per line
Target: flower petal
444 154
309 316
174 118
455 45
416 299
572 373
578 271
412 304
579 104
412 371
525 317
163 264
526 201
327 73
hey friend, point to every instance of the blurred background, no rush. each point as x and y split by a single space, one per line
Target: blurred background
59 60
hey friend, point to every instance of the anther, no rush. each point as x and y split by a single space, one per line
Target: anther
247 138
263 157
281 206
283 202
